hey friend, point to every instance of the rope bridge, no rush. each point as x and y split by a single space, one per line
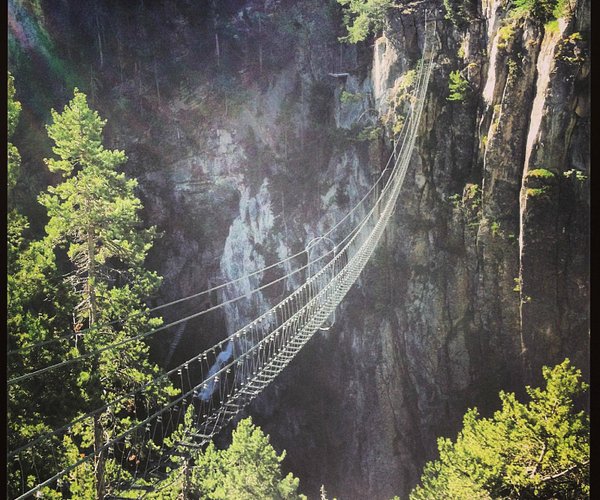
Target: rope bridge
237 369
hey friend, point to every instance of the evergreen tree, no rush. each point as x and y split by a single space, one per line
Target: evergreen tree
14 110
250 468
363 17
94 216
542 10
458 86
37 304
534 450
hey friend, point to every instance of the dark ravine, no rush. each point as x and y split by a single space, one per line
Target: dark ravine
243 159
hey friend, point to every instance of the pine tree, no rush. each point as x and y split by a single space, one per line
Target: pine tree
250 468
14 110
94 216
37 305
363 17
534 450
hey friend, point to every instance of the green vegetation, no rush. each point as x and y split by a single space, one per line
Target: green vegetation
38 306
94 215
400 95
469 204
571 49
369 133
248 469
363 18
536 192
552 26
540 173
576 174
505 34
495 228
14 110
458 86
407 80
541 176
518 283
88 270
535 450
399 122
460 12
513 68
546 12
349 97
456 200
542 10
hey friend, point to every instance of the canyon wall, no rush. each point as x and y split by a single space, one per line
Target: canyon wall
249 140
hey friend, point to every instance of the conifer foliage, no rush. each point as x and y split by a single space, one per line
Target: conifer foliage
37 310
94 216
250 468
364 17
534 450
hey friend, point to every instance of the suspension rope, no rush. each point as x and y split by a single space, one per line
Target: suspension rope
88 355
156 381
254 355
209 290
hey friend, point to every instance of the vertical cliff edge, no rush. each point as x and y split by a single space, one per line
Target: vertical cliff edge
248 143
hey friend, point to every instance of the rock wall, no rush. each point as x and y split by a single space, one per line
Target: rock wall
483 277
247 151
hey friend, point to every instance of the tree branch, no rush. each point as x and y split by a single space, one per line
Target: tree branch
565 472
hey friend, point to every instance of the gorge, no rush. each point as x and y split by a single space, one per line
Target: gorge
252 130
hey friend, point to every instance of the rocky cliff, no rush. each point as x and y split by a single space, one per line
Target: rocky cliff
246 147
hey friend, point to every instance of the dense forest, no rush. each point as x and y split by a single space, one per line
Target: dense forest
171 164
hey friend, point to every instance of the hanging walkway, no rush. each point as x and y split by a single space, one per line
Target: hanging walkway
237 369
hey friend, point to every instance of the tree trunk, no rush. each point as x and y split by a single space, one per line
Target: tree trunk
186 480
100 458
91 270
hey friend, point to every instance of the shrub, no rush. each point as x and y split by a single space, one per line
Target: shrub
460 12
495 227
458 86
540 173
349 97
363 17
505 35
543 10
571 49
535 192
577 174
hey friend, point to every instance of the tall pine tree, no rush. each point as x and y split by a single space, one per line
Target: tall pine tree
94 216
37 312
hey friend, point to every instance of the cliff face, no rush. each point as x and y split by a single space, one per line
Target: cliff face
476 291
246 148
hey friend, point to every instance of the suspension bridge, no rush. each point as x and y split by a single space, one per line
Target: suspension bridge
234 371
